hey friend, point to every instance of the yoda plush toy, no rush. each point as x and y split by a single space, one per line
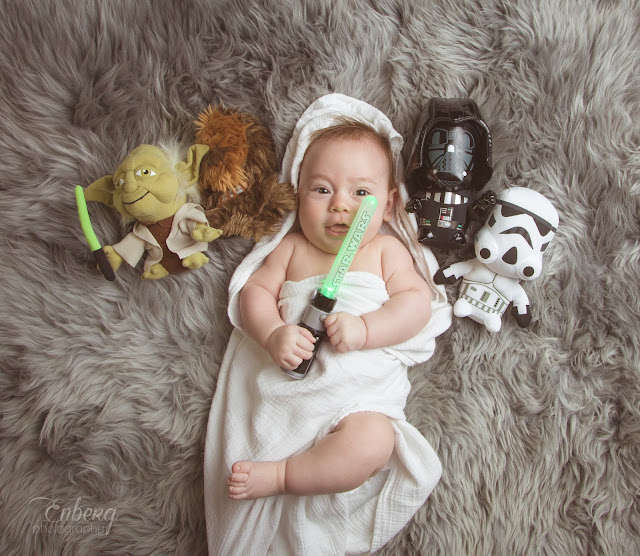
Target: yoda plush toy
153 187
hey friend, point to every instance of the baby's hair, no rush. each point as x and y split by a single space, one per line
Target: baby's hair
349 128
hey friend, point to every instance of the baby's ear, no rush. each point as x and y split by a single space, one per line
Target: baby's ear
391 201
101 190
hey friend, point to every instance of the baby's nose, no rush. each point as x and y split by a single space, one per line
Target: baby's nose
340 202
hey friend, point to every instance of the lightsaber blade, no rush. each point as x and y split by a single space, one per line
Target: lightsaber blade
325 298
90 236
349 246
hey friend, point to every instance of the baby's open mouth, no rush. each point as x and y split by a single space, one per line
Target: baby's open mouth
338 229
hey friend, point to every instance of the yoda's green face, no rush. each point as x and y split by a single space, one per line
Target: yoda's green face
147 186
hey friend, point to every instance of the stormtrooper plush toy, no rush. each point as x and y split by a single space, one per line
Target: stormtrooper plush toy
509 248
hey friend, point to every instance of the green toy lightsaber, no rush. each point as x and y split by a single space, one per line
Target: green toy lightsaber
325 299
89 234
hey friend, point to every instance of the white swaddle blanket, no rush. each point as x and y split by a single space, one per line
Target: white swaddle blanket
260 413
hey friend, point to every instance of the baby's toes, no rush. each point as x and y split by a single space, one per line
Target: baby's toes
237 490
244 467
238 478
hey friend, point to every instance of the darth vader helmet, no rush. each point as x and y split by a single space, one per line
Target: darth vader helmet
452 148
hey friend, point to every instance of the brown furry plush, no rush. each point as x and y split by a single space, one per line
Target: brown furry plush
240 191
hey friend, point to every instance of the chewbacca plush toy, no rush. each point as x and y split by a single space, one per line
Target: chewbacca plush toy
239 186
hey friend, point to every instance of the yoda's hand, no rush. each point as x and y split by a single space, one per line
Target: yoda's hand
204 232
114 259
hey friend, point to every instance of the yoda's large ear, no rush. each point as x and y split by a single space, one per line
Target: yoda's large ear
101 190
191 168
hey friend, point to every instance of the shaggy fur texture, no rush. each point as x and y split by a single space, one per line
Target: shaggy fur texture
239 184
105 387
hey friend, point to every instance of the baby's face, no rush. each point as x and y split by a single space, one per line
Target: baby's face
334 178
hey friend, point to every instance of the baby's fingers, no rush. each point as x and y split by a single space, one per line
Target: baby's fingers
295 359
290 362
306 339
335 332
335 336
330 319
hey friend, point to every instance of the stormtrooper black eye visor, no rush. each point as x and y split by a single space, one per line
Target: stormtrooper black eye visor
519 210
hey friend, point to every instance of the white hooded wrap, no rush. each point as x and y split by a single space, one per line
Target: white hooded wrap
259 413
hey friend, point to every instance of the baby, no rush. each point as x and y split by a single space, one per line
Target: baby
343 164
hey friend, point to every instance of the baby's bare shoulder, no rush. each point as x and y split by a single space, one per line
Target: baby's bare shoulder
279 259
392 246
292 238
395 257
390 241
288 244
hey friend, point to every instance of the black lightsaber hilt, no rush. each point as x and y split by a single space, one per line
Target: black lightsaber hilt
103 264
313 320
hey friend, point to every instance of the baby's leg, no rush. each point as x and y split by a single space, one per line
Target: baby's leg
359 446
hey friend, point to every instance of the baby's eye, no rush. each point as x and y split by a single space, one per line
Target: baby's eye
145 172
322 190
362 192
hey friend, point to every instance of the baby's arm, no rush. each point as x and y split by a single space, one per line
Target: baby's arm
288 345
405 313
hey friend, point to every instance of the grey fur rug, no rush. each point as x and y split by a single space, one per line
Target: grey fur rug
105 387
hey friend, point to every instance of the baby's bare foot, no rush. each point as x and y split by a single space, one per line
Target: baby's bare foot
256 479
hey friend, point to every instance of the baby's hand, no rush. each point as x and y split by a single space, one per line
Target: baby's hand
289 345
346 331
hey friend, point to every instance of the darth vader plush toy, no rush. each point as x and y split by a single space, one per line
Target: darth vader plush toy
509 248
449 164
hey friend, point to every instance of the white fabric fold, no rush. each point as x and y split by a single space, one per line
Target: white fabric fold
260 413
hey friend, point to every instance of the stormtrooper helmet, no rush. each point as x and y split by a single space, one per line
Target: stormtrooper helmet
516 234
452 149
